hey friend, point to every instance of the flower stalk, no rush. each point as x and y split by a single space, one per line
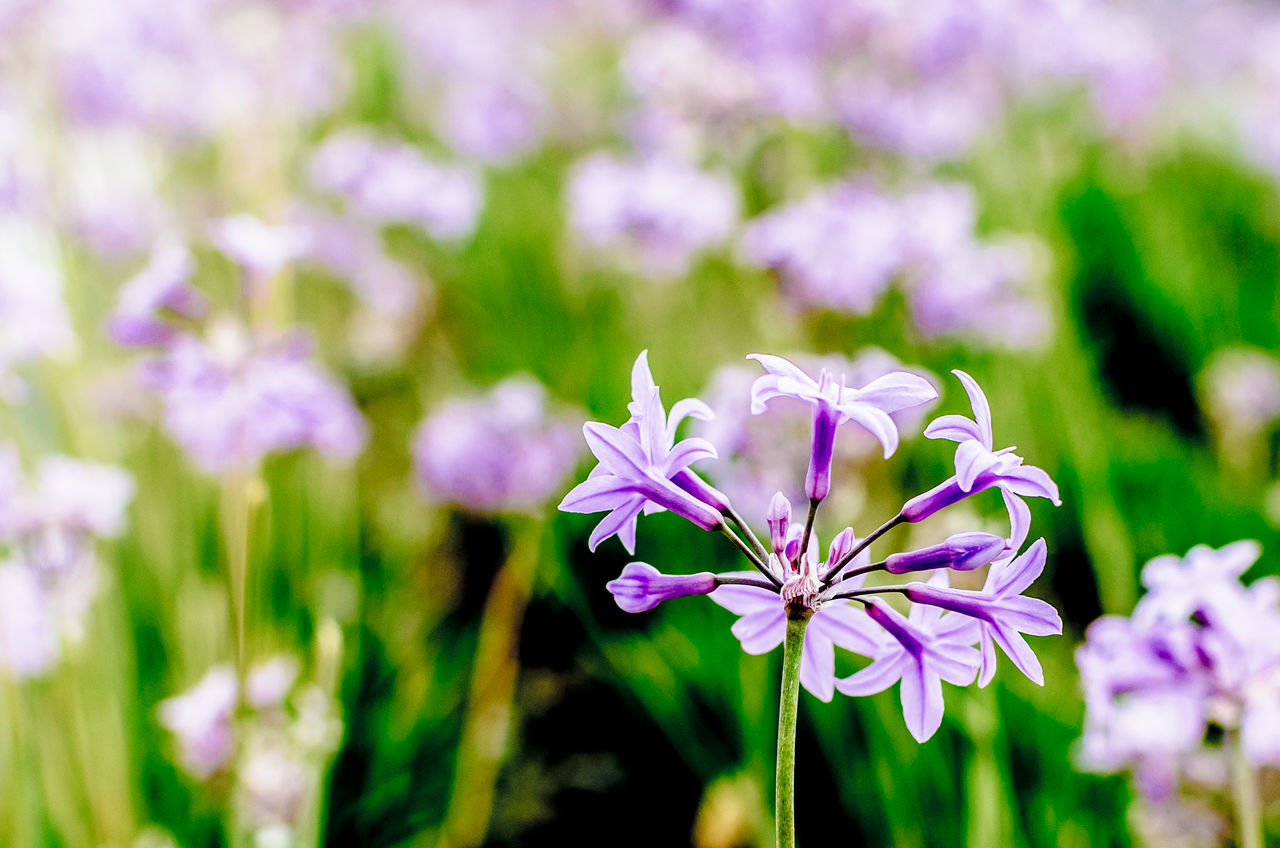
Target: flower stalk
785 788
1244 788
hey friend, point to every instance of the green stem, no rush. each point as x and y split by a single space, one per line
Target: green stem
793 648
1244 784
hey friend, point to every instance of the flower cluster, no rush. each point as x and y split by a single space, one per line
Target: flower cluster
949 633
274 748
505 451
1197 662
657 214
51 575
231 395
842 247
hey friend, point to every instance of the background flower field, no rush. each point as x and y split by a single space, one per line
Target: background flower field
468 220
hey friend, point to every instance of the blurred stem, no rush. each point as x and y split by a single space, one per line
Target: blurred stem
242 494
486 727
785 798
1244 785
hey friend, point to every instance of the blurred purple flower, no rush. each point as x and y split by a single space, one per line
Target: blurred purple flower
657 214
391 182
161 285
230 399
505 451
259 248
841 246
201 721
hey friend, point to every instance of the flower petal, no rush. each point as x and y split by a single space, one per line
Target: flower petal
818 665
921 695
894 391
596 494
876 422
981 409
762 631
744 600
615 522
957 428
878 676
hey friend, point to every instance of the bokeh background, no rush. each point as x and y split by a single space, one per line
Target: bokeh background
1075 201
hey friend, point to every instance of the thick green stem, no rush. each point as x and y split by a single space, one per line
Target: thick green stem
1244 785
792 649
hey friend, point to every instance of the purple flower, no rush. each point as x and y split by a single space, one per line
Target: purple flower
833 404
839 247
259 248
1179 586
657 214
927 647
978 466
1001 611
763 625
392 182
642 587
29 637
637 464
231 399
200 718
162 285
504 451
760 451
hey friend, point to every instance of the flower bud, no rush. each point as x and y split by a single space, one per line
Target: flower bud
779 518
962 552
642 587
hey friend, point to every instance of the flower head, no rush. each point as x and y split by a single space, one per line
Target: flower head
833 404
637 464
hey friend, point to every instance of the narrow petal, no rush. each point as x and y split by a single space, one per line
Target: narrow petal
614 522
596 494
762 631
877 677
1031 616
921 694
1016 576
744 600
818 665
1017 649
894 391
954 663
849 627
876 422
686 452
981 410
988 650
971 460
1029 481
616 450
957 428
1019 519
687 408
641 381
653 428
780 367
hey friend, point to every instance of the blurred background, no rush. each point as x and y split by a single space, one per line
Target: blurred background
303 303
